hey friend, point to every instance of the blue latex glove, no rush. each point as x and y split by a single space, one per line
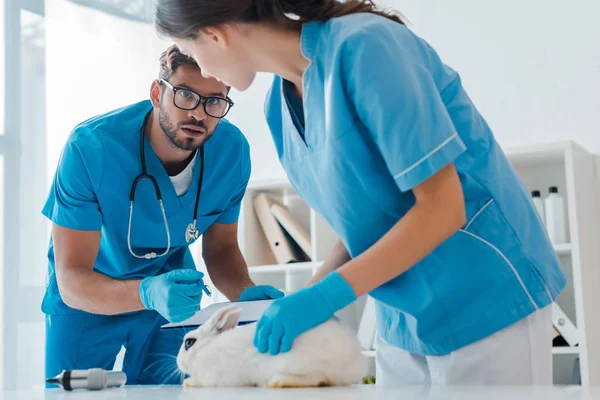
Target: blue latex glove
261 292
293 315
175 295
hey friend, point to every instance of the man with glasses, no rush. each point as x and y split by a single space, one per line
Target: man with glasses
133 189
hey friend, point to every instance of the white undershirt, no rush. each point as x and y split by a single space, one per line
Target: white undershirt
182 181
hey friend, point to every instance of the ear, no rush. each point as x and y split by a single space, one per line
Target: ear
219 35
225 319
155 93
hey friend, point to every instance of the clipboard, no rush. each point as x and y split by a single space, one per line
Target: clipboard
251 312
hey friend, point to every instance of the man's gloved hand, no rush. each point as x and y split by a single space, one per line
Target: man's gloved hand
261 292
289 317
175 295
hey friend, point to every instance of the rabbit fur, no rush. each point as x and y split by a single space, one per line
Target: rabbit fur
222 354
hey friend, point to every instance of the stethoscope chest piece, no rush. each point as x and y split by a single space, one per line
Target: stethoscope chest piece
191 233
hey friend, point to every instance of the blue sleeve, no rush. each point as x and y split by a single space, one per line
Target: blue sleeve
72 202
398 101
232 212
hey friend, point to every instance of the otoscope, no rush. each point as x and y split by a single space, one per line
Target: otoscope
90 379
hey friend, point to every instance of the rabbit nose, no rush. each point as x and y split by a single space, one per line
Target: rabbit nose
189 343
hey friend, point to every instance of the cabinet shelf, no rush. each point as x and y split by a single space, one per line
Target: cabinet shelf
563 249
292 267
565 350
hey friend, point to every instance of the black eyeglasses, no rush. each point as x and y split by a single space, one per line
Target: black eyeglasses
187 99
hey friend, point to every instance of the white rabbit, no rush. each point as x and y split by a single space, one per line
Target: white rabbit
215 354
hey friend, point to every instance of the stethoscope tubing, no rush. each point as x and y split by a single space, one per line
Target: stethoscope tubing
191 230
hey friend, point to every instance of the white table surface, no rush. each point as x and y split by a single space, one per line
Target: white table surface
362 392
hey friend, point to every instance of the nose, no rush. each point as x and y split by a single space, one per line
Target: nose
189 343
198 113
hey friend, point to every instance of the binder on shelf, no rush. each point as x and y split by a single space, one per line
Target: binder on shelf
288 222
568 334
282 245
368 325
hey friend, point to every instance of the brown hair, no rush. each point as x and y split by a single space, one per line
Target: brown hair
171 59
184 18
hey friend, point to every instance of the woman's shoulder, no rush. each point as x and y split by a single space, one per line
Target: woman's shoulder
355 40
354 43
363 29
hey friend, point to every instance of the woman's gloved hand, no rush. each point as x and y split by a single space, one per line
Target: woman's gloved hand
175 295
289 317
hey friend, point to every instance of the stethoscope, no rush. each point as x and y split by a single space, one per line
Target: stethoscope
191 233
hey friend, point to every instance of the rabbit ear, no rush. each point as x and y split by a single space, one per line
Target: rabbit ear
225 319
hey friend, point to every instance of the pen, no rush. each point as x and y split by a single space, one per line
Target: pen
206 289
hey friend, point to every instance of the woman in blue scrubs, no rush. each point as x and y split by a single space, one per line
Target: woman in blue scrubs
378 135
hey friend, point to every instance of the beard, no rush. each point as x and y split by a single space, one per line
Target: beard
182 142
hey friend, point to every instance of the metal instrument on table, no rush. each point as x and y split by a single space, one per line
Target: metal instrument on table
90 379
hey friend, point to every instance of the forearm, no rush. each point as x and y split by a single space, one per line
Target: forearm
416 235
337 257
228 271
95 293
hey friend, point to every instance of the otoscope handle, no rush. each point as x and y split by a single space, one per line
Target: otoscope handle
90 379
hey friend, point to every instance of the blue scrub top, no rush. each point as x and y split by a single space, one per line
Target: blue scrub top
91 191
382 115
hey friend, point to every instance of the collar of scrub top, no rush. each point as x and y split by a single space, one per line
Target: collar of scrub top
191 233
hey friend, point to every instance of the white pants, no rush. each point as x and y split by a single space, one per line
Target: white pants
520 354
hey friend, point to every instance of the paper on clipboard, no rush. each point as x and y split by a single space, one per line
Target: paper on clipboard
251 312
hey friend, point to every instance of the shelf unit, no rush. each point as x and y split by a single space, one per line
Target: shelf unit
295 267
565 165
565 350
369 353
563 249
574 171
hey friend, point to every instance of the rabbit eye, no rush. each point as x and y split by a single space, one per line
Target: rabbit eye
189 343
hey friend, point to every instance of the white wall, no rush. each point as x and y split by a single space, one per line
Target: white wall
248 114
531 67
2 67
95 63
